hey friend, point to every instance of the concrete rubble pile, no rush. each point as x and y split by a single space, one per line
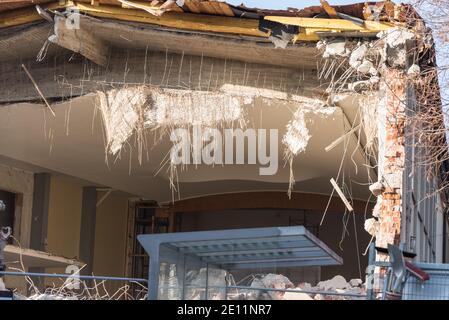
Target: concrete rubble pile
337 284
220 283
216 280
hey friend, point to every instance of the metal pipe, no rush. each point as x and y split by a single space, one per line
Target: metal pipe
370 271
299 291
58 275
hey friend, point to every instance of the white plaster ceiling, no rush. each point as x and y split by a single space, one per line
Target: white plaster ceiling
72 143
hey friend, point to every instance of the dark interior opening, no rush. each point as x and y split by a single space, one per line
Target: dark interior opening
7 215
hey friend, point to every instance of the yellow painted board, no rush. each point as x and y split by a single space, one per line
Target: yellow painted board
23 16
303 36
186 21
330 24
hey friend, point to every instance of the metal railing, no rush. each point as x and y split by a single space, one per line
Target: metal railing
81 280
379 274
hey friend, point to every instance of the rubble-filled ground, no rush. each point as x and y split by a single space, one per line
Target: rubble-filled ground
336 288
261 287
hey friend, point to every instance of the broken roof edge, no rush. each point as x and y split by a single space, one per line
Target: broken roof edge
300 27
361 10
34 258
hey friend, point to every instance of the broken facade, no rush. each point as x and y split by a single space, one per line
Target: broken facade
124 79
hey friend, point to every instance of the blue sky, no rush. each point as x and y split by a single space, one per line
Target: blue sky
283 4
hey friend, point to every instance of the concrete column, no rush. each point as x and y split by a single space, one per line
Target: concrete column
87 230
39 213
39 219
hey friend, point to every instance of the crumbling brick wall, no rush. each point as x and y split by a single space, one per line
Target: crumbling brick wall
393 163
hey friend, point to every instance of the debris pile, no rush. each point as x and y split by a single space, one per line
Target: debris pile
305 291
132 110
70 290
215 279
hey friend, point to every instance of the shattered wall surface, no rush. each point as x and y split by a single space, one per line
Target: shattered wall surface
128 110
121 110
297 136
124 110
378 68
132 110
72 77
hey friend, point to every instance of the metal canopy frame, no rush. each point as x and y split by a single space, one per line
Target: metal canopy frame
237 249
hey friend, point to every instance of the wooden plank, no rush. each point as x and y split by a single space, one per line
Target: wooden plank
339 140
216 7
341 195
35 258
331 12
331 24
192 5
38 89
225 9
206 7
23 16
305 35
80 41
176 20
171 5
14 1
154 10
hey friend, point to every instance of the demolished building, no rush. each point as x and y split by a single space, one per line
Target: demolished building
93 91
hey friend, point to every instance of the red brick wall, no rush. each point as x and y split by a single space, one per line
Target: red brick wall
394 158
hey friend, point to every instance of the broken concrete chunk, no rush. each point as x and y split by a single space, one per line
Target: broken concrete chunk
376 209
216 279
359 86
276 281
396 36
376 188
414 71
373 71
374 79
365 67
337 282
334 49
395 45
321 45
255 294
371 226
296 295
305 286
355 282
357 56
